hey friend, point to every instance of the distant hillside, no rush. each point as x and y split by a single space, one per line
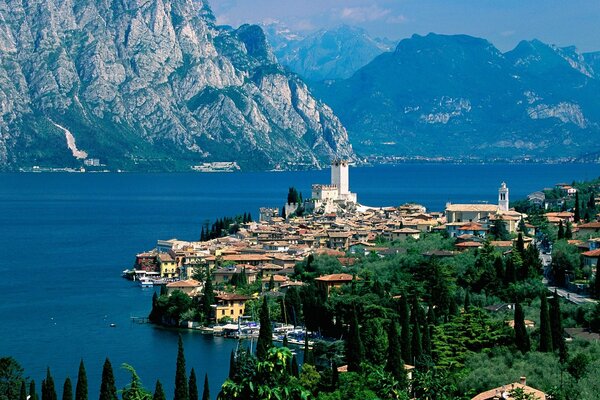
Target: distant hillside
327 54
151 85
458 95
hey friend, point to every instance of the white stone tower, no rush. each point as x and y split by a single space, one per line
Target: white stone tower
503 197
339 177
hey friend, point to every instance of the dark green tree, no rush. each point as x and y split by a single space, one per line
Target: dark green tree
561 231
108 390
265 333
510 276
521 336
597 285
193 386
231 366
416 344
208 296
11 376
155 314
577 212
499 268
335 375
405 330
308 354
568 231
206 390
159 393
498 230
520 245
67 390
181 383
81 388
545 330
355 352
558 342
467 301
271 283
295 371
32 393
49 391
395 364
23 391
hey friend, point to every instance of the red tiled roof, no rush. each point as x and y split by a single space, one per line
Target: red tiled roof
335 278
592 253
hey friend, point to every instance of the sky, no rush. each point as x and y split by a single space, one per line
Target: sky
502 22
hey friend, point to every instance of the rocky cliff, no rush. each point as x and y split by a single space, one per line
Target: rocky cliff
150 85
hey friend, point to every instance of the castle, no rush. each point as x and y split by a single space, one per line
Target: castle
337 192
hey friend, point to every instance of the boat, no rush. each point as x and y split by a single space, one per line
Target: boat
113 325
145 282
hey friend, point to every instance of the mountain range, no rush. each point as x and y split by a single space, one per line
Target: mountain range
335 53
151 85
459 96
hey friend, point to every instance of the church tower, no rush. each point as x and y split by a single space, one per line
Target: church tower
503 197
339 177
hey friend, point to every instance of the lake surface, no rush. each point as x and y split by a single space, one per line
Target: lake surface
67 237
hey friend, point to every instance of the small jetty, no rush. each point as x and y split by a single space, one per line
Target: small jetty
140 320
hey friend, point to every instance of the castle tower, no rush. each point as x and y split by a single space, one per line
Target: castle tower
503 197
339 176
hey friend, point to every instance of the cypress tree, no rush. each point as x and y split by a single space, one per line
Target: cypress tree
568 231
208 296
271 283
545 330
426 340
355 352
308 359
108 390
452 308
577 212
520 244
405 330
67 390
521 335
499 268
265 333
81 389
597 285
206 390
181 384
561 231
49 391
193 386
467 301
32 394
23 391
335 375
395 364
295 371
510 275
159 393
231 366
558 342
416 344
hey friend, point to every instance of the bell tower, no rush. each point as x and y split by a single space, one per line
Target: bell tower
503 197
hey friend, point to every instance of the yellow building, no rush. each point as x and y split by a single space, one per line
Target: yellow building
168 266
230 305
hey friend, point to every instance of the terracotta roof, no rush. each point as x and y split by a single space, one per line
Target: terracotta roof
335 278
592 253
232 296
472 227
189 283
590 225
276 278
472 207
503 392
165 257
469 244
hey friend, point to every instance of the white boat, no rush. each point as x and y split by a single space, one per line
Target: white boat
145 282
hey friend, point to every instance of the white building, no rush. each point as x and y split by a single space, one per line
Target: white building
336 192
503 197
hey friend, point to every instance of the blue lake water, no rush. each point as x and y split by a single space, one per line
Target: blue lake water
66 237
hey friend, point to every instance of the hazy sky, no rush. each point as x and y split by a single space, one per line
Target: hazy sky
503 22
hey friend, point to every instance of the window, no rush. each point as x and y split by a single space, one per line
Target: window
231 311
